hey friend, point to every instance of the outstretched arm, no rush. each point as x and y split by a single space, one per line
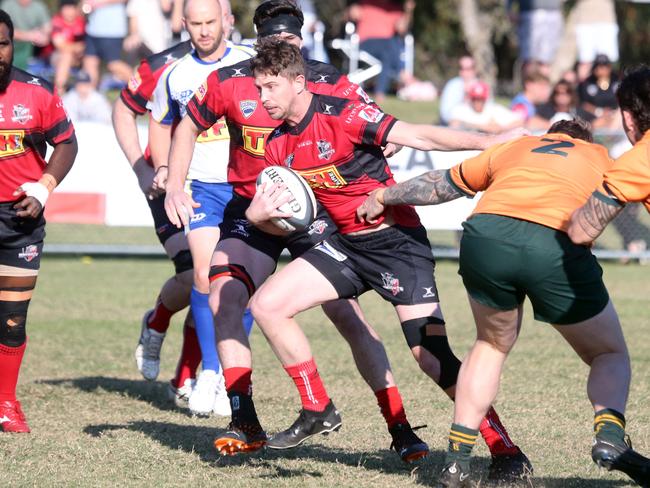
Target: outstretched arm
435 138
590 220
430 188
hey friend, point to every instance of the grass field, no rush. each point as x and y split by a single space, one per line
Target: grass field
95 422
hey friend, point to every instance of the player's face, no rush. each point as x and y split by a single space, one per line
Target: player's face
6 56
204 23
277 94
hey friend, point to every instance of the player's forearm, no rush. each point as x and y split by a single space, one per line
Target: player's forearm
180 154
159 143
436 138
126 131
62 159
430 188
590 220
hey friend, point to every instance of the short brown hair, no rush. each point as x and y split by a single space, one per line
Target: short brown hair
277 57
576 128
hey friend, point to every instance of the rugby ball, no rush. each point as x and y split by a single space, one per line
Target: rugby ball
302 204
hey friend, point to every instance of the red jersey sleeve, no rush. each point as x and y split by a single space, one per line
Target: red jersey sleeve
208 104
139 89
366 124
56 124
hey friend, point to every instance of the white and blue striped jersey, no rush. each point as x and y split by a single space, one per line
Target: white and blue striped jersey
174 90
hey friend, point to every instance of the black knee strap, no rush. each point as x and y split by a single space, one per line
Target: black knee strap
236 271
13 317
416 334
183 261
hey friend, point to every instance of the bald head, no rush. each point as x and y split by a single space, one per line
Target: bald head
203 20
228 19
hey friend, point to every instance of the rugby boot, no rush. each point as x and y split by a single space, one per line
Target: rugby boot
147 353
510 468
621 457
12 418
201 401
308 424
453 476
406 443
244 434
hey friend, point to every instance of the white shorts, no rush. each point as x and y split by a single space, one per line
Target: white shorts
594 39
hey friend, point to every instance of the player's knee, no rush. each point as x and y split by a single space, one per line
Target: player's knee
230 290
202 279
182 261
13 318
423 333
347 318
264 306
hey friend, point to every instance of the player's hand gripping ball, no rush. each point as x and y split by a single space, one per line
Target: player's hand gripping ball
302 204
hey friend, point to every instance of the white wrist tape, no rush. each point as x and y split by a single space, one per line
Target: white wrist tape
37 190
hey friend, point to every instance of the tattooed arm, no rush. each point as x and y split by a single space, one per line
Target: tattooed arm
430 188
590 220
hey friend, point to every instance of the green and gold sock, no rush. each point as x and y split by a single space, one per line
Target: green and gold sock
609 425
461 442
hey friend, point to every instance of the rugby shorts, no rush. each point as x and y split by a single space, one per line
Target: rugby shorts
236 226
396 262
213 198
504 259
164 228
21 239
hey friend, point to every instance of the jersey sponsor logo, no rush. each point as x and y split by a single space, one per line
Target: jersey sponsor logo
201 91
322 79
254 138
318 227
304 144
247 107
134 82
28 253
218 132
4 419
325 149
364 96
2 117
20 114
328 109
170 58
390 283
11 142
428 292
34 81
326 247
324 177
288 161
371 114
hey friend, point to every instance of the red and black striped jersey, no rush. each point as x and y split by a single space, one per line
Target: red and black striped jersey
336 147
142 84
230 92
31 116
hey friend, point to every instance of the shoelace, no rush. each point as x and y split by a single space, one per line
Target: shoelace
152 351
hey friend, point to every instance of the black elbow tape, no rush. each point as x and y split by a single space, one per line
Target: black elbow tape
415 332
183 261
236 271
13 318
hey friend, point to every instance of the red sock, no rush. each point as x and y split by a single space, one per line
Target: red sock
10 359
391 406
190 358
159 319
238 380
312 391
495 435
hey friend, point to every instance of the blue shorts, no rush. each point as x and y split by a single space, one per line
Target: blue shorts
213 198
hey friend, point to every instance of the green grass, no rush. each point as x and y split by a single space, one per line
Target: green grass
95 422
